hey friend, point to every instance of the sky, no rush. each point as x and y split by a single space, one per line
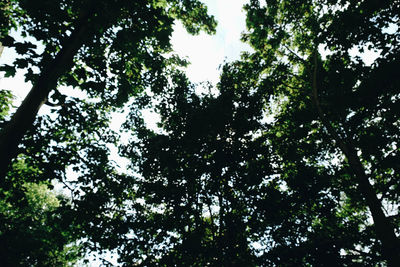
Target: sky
207 52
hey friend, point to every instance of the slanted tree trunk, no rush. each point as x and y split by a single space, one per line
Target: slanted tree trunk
1 48
383 227
13 132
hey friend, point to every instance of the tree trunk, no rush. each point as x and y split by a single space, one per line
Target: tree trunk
12 134
383 227
1 48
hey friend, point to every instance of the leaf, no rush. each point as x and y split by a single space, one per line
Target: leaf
9 70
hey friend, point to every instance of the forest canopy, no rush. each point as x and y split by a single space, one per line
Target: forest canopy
292 159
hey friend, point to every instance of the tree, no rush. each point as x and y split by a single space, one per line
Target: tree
111 51
40 227
290 161
215 185
108 49
32 233
304 183
196 175
336 103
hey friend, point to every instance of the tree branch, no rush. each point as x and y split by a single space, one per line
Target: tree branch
12 134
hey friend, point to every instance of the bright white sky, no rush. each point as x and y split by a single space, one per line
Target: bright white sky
207 52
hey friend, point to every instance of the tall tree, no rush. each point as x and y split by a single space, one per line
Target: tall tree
109 49
342 106
196 175
218 187
322 166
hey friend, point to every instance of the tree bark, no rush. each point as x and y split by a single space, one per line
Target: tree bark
1 48
12 134
383 227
